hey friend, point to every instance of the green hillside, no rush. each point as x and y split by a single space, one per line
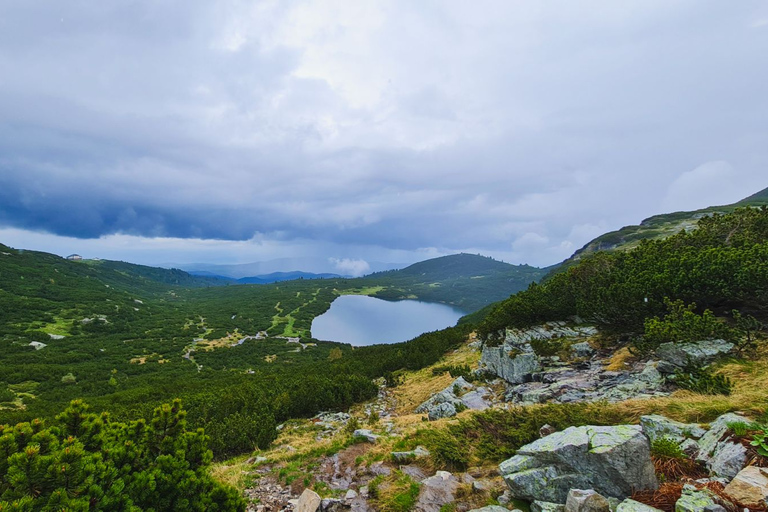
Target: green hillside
466 281
660 226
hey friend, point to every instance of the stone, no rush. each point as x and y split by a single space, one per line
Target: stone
546 506
719 454
728 459
656 427
379 469
367 434
582 349
546 430
749 487
490 508
701 352
614 461
629 505
415 472
509 363
436 491
309 501
475 399
404 457
350 495
579 500
694 500
444 410
332 505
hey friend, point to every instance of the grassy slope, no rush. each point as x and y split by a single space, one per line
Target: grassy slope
659 226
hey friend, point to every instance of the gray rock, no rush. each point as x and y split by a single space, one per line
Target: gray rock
444 410
722 457
582 349
350 495
404 457
546 506
475 399
332 505
309 501
656 427
415 472
629 505
586 501
729 458
694 500
614 461
702 352
379 469
490 508
510 363
367 434
436 491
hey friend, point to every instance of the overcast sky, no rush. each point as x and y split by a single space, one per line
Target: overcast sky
357 131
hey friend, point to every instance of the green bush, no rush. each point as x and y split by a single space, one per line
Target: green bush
87 462
667 448
701 379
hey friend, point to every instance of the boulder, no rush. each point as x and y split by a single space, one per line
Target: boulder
582 349
436 491
309 501
722 457
490 508
629 505
656 427
695 500
445 410
367 434
586 501
405 457
701 352
513 364
333 505
614 461
750 487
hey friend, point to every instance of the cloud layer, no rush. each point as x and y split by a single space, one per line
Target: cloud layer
519 129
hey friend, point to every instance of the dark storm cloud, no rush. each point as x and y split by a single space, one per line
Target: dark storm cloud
523 128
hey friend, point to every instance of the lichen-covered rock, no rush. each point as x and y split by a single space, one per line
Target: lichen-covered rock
700 352
367 434
722 457
697 500
546 506
656 427
581 349
750 486
490 508
445 410
512 365
629 505
587 500
614 461
404 457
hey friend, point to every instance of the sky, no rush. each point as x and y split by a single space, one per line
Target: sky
157 131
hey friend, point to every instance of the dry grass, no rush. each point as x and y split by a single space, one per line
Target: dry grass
750 380
619 360
233 473
418 386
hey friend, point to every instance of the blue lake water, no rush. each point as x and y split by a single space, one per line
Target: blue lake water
361 320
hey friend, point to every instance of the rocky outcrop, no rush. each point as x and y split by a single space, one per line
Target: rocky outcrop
614 461
458 396
750 487
700 352
588 382
514 359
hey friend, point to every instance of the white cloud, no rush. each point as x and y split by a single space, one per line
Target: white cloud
347 266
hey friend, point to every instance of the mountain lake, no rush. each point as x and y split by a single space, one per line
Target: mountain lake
360 320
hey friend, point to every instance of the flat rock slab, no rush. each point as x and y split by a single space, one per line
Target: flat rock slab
750 486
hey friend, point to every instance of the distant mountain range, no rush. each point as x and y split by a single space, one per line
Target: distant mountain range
274 277
318 266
